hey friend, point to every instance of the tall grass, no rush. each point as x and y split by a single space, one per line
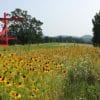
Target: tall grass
50 72
82 82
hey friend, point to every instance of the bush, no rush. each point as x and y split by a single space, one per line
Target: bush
81 83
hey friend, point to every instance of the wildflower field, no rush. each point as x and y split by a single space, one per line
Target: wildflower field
50 72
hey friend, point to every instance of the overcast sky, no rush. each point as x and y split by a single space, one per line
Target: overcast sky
60 17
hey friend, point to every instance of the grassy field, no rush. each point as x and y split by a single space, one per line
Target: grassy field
56 71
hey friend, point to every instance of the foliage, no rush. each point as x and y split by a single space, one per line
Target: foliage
27 31
65 39
42 72
96 29
81 82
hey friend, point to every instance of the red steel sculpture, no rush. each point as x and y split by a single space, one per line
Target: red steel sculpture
4 33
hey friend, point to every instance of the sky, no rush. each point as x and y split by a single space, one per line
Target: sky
59 17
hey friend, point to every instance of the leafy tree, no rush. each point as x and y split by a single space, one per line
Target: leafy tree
27 31
96 29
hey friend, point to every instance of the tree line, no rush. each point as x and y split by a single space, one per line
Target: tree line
65 39
29 31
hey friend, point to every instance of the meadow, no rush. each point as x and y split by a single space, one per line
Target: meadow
56 71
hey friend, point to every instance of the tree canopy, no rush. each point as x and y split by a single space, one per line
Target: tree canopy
27 31
96 29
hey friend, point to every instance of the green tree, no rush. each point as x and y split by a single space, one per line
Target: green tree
96 29
27 31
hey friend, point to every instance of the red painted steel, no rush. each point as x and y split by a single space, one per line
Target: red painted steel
4 33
